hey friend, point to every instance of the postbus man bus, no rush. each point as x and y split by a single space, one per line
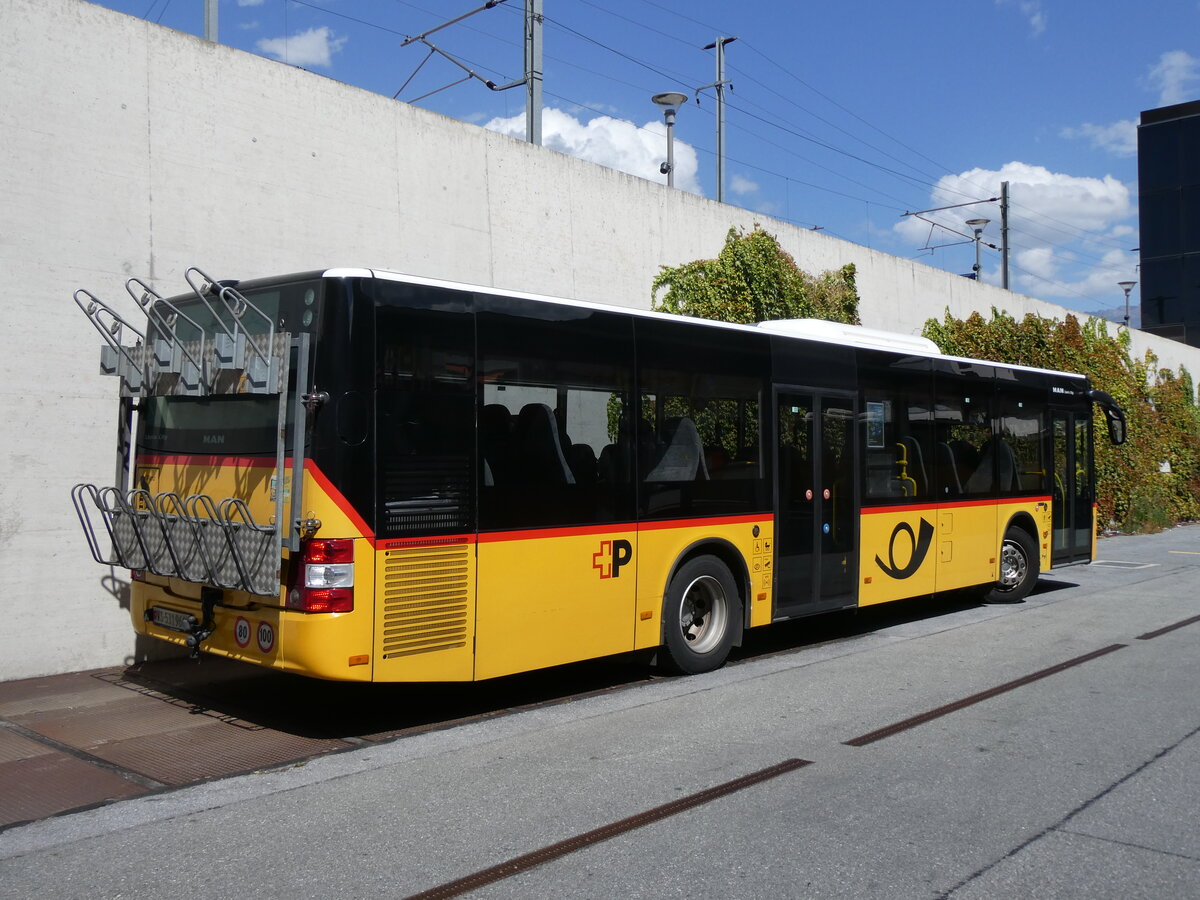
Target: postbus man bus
358 475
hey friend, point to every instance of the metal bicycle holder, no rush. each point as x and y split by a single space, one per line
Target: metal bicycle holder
196 538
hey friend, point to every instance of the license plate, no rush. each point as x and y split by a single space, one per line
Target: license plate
171 619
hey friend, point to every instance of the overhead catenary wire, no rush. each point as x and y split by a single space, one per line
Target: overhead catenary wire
750 121
675 76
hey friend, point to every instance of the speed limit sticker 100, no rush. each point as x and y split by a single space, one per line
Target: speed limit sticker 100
266 637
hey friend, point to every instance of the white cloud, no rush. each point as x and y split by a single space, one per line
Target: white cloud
1119 138
1036 15
616 143
1033 13
314 47
1175 77
742 185
1062 228
250 2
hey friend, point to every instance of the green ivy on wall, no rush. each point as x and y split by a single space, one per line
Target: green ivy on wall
1153 479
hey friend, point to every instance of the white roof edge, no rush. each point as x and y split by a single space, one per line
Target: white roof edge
348 272
824 331
852 335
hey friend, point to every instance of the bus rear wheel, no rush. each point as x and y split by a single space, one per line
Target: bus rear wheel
698 616
1019 568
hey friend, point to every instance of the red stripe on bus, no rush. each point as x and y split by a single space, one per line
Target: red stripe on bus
338 499
956 504
617 527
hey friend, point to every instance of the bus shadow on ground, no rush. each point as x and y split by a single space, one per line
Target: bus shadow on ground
312 708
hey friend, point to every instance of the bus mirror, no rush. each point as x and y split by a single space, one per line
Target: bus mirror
1112 412
1116 426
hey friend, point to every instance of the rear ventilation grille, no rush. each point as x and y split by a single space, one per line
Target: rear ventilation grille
426 494
426 599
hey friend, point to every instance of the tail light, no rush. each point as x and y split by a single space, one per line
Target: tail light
323 577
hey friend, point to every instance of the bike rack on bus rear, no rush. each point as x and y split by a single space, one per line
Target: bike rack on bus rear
196 538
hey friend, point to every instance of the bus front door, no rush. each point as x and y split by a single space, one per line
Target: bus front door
816 555
1073 490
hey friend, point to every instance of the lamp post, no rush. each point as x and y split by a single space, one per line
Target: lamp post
977 225
1126 286
670 103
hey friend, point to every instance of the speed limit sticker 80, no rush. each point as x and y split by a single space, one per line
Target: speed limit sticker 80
263 634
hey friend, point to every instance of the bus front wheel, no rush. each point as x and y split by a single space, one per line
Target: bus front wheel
1019 567
698 615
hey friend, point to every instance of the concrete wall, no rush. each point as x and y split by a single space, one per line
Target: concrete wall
130 149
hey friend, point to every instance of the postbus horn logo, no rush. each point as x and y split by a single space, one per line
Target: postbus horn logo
920 547
611 556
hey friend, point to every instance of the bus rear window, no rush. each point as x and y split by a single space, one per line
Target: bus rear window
235 425
229 424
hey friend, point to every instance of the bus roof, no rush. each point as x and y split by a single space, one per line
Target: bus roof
804 329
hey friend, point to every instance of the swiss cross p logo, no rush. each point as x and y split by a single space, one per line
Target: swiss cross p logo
611 556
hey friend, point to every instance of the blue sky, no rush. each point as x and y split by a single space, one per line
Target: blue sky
842 115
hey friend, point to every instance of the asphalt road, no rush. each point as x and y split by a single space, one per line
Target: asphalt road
1045 749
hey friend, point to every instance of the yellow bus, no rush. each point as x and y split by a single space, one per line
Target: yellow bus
359 475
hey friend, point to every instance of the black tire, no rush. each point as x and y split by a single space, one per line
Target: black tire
700 613
1020 565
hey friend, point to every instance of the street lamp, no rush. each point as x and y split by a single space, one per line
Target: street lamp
670 103
978 226
1126 286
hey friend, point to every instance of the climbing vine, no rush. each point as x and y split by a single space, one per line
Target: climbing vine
753 279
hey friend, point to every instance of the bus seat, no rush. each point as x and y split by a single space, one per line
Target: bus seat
584 466
947 470
539 456
966 460
683 457
983 479
495 439
1006 466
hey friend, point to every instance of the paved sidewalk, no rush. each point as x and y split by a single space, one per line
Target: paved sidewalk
88 738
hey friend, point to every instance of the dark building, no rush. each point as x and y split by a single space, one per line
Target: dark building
1169 213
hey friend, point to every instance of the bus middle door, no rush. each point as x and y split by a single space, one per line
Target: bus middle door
816 557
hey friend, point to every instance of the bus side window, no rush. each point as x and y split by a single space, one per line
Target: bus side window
425 422
896 399
1021 426
967 454
550 394
699 420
